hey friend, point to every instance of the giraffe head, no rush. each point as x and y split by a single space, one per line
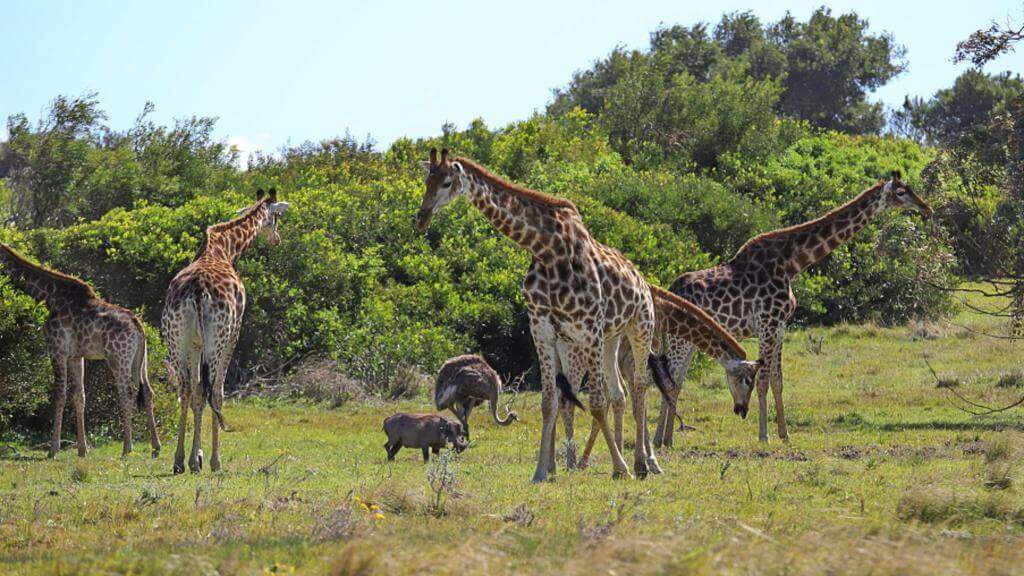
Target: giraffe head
742 376
444 182
898 194
275 208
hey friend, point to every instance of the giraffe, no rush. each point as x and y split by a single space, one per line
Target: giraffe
682 320
582 297
202 317
751 294
83 327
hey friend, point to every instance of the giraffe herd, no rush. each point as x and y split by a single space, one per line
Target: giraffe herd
597 324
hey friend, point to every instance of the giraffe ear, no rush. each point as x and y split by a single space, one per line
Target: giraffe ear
272 196
259 194
458 166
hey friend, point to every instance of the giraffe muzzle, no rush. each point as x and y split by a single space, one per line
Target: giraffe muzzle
740 410
423 218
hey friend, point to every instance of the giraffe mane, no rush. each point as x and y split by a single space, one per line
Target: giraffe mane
223 226
810 223
73 285
679 302
532 195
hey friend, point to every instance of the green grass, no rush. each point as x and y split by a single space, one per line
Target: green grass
883 476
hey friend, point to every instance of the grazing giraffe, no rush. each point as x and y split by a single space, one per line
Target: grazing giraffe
83 327
202 317
751 294
582 297
685 322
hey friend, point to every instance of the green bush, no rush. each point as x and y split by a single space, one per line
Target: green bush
354 283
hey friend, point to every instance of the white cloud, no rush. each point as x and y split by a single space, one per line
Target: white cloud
249 145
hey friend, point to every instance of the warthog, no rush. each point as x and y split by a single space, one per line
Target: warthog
428 432
466 382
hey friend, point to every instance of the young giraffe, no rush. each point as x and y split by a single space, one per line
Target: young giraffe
83 327
582 298
683 321
202 317
751 294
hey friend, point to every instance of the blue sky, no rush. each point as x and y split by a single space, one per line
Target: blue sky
276 73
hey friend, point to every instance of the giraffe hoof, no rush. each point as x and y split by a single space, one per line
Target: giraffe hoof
640 469
155 454
621 475
179 468
652 465
582 464
196 466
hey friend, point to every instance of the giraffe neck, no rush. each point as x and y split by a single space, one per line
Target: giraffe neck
811 241
39 282
680 318
228 240
528 218
822 236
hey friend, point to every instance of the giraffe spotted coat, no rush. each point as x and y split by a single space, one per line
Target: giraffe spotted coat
202 318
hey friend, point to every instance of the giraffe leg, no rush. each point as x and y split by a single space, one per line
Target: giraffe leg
122 383
60 394
573 371
617 398
601 390
659 430
229 336
644 460
600 412
767 349
141 374
776 384
547 357
76 377
595 429
679 365
154 435
184 369
568 410
195 459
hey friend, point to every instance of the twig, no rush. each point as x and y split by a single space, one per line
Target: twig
984 409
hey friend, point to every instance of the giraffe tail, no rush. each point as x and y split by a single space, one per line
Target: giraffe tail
204 374
661 375
566 389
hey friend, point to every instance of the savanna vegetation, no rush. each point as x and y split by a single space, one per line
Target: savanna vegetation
675 154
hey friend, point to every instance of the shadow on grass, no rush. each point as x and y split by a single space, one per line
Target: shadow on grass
853 420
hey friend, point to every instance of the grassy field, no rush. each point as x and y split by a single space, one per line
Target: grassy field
883 476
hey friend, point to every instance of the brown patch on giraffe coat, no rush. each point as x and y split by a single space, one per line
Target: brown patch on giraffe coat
496 181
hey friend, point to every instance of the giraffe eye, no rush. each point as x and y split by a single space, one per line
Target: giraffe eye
447 184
